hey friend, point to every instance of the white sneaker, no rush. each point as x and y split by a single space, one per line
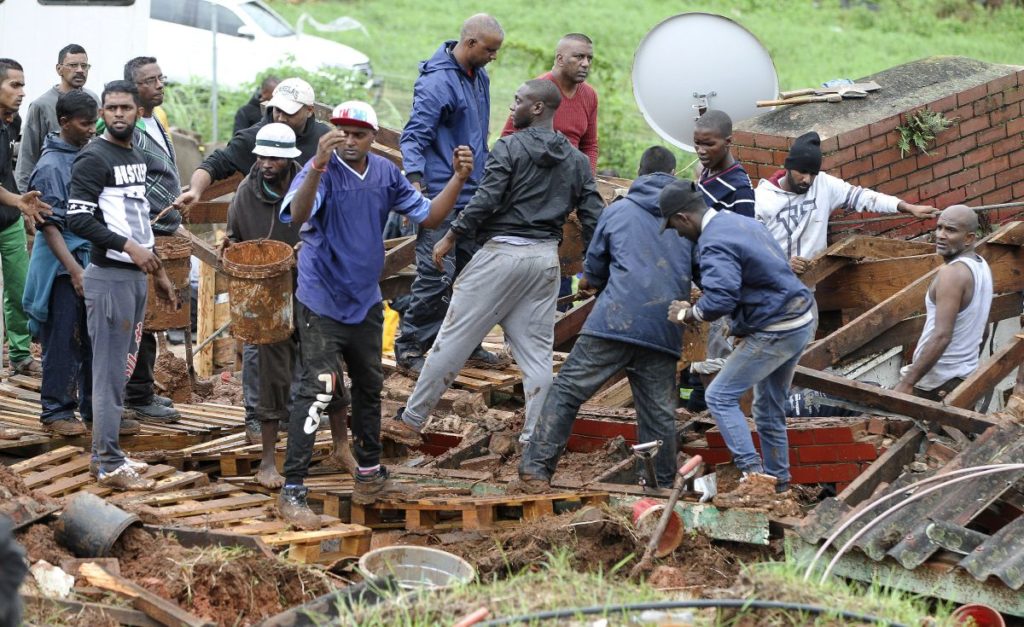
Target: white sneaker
124 477
135 464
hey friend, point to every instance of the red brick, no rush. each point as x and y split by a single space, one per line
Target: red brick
885 157
919 178
994 166
1005 114
973 125
742 138
1020 77
1010 176
989 103
905 165
1013 94
933 189
832 473
991 135
948 166
772 142
714 438
884 127
1001 195
944 104
804 474
874 177
829 144
1000 84
980 187
952 197
978 155
965 112
852 452
855 168
894 187
766 171
839 158
972 94
1006 146
1018 190
854 137
1016 157
800 437
758 155
1015 127
935 155
963 177
833 435
842 486
962 145
871 146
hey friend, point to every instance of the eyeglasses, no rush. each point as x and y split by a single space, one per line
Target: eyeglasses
153 80
77 66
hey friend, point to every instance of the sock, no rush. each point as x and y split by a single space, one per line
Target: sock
368 471
289 484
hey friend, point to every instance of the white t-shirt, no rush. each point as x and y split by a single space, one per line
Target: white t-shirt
153 130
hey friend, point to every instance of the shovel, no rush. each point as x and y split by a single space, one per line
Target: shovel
682 475
800 100
852 90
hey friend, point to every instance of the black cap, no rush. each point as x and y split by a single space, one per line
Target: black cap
678 196
805 155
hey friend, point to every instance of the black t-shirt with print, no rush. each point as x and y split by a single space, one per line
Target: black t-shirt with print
107 203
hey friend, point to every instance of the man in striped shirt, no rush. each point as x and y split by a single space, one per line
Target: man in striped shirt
723 181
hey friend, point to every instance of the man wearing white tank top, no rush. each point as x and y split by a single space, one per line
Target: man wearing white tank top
957 307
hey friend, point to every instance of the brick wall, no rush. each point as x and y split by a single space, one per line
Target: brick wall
979 160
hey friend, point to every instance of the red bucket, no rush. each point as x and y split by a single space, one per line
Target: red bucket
647 513
981 615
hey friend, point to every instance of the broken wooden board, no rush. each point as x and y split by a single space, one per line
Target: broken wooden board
989 373
156 607
470 513
398 253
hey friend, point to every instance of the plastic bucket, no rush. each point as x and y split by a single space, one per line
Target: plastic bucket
647 513
90 526
982 615
174 252
417 567
260 290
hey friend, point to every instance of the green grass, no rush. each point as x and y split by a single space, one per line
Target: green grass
810 42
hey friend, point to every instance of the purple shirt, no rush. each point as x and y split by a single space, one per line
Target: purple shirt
343 244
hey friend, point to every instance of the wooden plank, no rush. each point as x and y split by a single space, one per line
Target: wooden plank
222 187
206 316
158 608
205 252
209 212
875 247
888 400
201 507
866 283
54 456
885 469
571 322
398 257
989 373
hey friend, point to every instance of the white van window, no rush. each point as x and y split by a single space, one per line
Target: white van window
267 20
227 22
109 3
195 14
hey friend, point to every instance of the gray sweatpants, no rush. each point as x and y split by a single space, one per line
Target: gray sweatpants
514 286
115 304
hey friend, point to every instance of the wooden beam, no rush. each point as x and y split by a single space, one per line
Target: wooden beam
209 212
205 252
206 316
873 247
888 400
156 607
398 257
885 469
989 373
861 284
220 188
569 325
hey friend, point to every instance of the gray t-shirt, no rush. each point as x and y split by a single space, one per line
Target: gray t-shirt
40 120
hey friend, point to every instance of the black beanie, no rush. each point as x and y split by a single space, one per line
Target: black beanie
805 155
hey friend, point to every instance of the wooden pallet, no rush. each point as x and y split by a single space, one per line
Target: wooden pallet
234 456
470 513
226 507
332 491
65 471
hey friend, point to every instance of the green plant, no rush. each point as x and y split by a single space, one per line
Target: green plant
920 129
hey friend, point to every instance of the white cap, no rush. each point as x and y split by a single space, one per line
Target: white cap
292 94
355 113
276 140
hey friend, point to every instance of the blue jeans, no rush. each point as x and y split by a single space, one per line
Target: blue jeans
592 361
67 356
765 361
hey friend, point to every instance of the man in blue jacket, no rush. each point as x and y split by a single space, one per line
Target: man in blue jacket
451 107
639 271
747 277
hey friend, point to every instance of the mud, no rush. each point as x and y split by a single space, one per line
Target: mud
40 543
224 388
171 372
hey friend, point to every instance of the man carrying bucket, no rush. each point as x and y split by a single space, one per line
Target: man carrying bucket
343 195
253 216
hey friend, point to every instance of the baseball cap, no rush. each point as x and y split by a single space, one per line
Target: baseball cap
292 94
355 113
676 197
276 140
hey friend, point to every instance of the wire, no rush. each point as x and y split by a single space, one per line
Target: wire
743 604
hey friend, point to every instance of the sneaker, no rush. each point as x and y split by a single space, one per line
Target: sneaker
162 400
369 489
396 430
67 427
411 365
481 358
253 431
293 508
124 477
129 427
755 489
29 366
155 412
136 465
528 484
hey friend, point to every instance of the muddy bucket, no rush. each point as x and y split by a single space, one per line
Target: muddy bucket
260 290
646 513
978 615
417 567
174 253
90 526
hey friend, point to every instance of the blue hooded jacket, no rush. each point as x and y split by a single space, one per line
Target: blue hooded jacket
640 269
745 275
449 108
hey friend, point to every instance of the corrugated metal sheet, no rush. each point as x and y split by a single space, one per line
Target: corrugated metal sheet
970 518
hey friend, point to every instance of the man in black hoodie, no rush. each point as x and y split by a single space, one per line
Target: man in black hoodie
532 182
252 112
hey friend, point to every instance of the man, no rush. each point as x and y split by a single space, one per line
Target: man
162 187
451 107
746 276
577 120
108 207
291 104
639 270
342 198
252 112
956 306
54 297
41 120
252 216
534 179
795 203
13 243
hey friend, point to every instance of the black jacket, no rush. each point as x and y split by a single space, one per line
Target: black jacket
253 215
532 182
237 155
248 114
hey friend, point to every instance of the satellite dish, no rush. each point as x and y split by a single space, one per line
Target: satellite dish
675 79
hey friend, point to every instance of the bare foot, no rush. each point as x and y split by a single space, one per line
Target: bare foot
268 477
